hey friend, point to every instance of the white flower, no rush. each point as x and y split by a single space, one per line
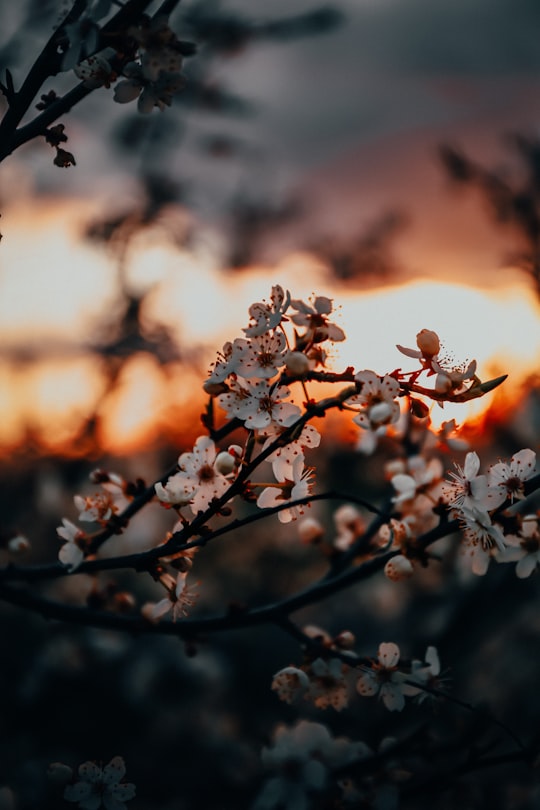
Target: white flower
310 530
506 480
350 525
482 539
96 70
151 93
199 471
101 787
377 398
18 544
288 489
447 441
420 475
100 506
268 316
384 679
283 458
180 598
523 548
224 365
468 490
451 380
178 490
259 404
302 756
262 356
327 684
83 34
427 673
72 552
290 683
314 317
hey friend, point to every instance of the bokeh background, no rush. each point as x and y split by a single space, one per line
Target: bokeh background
386 154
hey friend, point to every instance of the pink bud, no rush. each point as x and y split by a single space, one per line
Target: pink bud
428 342
398 568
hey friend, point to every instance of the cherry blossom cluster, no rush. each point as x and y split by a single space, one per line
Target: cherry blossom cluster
287 343
149 58
330 678
97 786
489 530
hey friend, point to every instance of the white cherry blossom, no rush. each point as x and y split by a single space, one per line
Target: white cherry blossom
314 317
71 553
290 683
313 753
177 491
180 598
327 684
288 489
467 489
385 679
523 548
283 458
199 471
377 398
507 480
262 356
482 538
101 787
259 404
266 316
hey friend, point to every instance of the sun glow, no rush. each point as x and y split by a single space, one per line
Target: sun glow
55 291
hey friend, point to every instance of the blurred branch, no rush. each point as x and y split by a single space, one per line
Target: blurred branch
513 203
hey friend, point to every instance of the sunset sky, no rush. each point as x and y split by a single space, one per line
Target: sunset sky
348 122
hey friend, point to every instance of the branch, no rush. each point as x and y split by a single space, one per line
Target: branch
47 64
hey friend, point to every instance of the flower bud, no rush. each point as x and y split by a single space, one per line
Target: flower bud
310 530
297 362
380 413
428 342
443 383
225 462
18 544
317 633
345 640
398 568
59 773
215 388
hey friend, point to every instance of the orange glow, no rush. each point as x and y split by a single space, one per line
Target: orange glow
54 289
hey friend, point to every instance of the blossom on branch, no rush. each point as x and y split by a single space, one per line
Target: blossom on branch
180 598
101 787
262 356
506 480
523 548
302 759
482 538
468 489
283 458
296 487
385 679
377 399
314 317
259 404
266 316
198 471
72 552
